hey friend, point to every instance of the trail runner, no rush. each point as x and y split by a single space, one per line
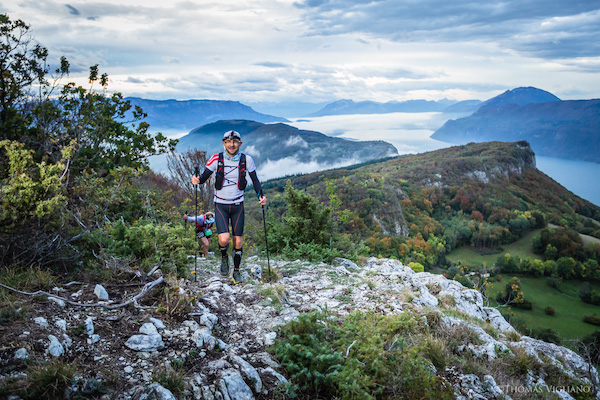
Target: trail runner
231 168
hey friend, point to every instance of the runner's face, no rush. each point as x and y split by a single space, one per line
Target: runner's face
232 146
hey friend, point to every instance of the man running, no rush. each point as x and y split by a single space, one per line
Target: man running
203 231
231 167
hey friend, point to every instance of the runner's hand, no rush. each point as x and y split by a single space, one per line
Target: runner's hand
262 200
195 180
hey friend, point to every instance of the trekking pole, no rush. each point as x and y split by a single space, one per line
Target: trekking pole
196 173
266 242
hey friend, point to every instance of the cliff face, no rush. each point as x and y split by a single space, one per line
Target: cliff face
219 341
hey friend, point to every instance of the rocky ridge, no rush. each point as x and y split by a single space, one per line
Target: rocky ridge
221 339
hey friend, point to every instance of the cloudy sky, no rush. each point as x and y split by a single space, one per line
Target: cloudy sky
324 50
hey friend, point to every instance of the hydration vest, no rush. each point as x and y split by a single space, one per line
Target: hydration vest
220 177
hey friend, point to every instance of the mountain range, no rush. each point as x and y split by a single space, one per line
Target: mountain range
555 128
184 115
280 145
346 107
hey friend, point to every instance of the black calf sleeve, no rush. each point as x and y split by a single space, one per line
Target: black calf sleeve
237 258
224 250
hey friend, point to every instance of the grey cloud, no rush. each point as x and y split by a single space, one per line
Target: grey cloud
270 64
506 22
72 10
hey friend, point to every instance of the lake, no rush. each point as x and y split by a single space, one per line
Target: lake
410 134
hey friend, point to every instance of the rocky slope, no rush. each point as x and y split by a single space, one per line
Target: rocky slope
218 334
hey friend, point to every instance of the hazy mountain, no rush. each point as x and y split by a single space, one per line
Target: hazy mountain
294 109
344 107
555 128
185 115
520 97
284 144
467 106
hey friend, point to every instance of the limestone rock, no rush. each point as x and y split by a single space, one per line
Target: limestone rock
55 348
149 343
100 292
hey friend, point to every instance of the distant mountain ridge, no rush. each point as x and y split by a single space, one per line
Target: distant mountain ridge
345 107
520 97
555 128
281 145
185 115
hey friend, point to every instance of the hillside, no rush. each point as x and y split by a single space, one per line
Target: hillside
285 144
185 115
418 207
564 129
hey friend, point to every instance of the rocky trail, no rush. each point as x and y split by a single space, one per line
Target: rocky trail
215 335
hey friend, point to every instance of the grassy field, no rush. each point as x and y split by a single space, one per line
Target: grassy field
467 256
568 319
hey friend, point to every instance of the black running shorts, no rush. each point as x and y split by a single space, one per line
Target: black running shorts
230 213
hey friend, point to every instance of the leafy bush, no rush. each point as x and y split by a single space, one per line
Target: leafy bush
550 311
364 356
592 319
143 244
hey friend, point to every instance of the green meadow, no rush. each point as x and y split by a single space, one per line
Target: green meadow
567 321
569 309
467 256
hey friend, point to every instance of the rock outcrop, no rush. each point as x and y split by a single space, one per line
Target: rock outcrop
222 338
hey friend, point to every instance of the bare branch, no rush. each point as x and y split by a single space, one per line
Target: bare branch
147 287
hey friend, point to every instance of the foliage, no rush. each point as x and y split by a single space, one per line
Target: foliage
416 267
364 356
418 208
170 377
141 244
49 381
69 155
31 204
513 295
182 166
592 319
305 231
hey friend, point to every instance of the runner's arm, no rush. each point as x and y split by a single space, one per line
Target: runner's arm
256 183
205 175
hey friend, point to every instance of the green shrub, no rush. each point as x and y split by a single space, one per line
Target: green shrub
364 356
550 311
143 244
592 319
415 266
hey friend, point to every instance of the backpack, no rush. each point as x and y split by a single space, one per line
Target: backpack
220 177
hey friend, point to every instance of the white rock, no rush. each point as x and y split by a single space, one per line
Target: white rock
42 322
233 386
55 348
191 325
249 372
209 320
280 378
60 302
149 343
61 323
100 292
158 323
89 326
149 329
21 354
